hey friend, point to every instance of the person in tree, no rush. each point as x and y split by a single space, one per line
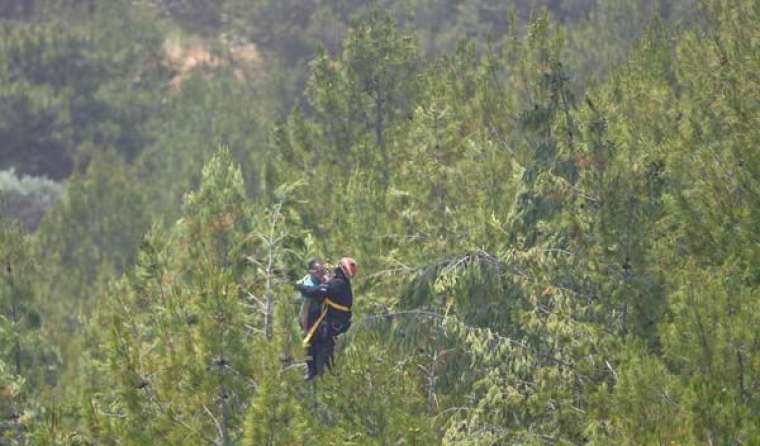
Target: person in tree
334 318
309 312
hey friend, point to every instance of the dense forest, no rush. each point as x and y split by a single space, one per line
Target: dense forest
554 206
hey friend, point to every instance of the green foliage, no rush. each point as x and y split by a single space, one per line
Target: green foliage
363 93
710 342
197 15
204 114
645 405
277 412
370 399
176 350
275 415
98 223
27 361
65 89
542 260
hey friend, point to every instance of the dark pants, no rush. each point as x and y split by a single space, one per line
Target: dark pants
321 348
311 352
311 364
323 345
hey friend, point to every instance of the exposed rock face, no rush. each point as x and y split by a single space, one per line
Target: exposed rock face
244 59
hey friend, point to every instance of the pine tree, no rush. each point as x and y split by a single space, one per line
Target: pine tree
361 94
27 360
179 346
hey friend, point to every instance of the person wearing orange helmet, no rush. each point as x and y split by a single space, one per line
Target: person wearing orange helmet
336 298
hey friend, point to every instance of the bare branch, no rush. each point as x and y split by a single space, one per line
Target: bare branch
216 422
255 299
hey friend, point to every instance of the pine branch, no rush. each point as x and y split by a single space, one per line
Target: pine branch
219 429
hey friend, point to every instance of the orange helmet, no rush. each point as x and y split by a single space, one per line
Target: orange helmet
348 266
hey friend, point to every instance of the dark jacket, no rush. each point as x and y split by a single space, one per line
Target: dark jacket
338 289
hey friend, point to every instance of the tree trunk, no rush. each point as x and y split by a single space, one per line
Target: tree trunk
224 432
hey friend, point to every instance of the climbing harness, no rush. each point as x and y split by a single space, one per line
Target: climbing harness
326 304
